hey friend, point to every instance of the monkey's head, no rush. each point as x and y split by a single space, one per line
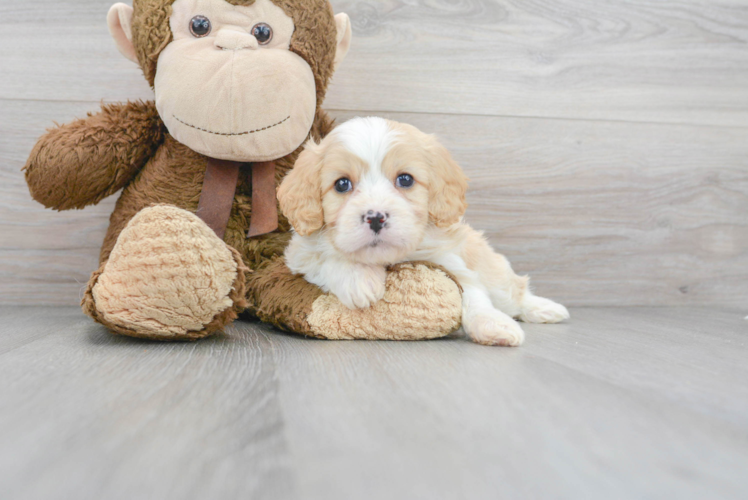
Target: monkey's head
235 79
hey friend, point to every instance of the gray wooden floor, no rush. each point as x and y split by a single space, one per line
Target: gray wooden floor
619 403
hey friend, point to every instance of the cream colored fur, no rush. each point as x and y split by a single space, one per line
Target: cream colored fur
335 248
168 274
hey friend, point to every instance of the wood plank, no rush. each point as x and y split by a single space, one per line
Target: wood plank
583 410
84 414
26 324
688 356
618 403
671 61
598 213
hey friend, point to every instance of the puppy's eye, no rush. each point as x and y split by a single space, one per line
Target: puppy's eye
343 185
200 26
405 181
263 33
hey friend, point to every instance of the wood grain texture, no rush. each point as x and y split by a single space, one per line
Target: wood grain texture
88 415
615 404
592 187
619 403
596 213
676 61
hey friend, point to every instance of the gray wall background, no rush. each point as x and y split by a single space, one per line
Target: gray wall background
606 141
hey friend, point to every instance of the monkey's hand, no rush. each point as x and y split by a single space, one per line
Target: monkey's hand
421 301
85 161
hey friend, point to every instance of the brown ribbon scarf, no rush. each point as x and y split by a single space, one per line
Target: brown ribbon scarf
219 188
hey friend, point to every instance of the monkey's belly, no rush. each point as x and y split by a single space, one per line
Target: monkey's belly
174 176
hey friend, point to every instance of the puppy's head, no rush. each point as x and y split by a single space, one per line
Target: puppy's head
373 186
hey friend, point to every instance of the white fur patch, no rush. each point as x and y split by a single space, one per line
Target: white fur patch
368 138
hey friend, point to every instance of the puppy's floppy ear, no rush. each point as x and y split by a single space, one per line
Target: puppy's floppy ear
447 185
300 193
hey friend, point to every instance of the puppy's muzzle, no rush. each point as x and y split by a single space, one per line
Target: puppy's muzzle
376 220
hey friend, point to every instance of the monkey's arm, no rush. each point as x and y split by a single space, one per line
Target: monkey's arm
421 301
83 162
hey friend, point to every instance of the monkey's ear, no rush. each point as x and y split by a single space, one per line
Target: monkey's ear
119 20
343 24
300 193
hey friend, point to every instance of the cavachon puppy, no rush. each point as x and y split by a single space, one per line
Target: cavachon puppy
375 193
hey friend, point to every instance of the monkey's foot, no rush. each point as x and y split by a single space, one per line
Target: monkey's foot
421 301
169 277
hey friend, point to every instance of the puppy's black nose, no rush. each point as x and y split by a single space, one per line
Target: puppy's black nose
376 221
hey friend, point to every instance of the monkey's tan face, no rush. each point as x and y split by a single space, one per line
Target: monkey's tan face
228 86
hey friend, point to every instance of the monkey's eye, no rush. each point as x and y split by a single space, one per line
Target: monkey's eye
200 26
404 181
343 185
263 33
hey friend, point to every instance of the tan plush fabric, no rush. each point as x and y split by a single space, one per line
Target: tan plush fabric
420 303
241 104
168 275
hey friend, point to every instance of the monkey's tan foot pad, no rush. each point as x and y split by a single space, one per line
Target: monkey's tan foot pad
422 301
169 277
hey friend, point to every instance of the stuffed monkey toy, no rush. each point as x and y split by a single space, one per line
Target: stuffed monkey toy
196 238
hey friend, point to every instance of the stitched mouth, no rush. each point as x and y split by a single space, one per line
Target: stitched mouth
234 133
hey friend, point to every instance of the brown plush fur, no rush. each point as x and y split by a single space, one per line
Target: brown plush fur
280 298
85 161
175 176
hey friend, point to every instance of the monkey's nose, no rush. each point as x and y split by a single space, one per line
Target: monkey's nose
232 39
376 221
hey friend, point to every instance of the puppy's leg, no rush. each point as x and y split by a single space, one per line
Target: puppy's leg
509 293
540 310
355 285
485 324
482 322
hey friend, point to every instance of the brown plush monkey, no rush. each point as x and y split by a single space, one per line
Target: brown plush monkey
238 86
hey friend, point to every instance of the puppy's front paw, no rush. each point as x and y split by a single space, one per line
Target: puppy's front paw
360 289
492 327
540 310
